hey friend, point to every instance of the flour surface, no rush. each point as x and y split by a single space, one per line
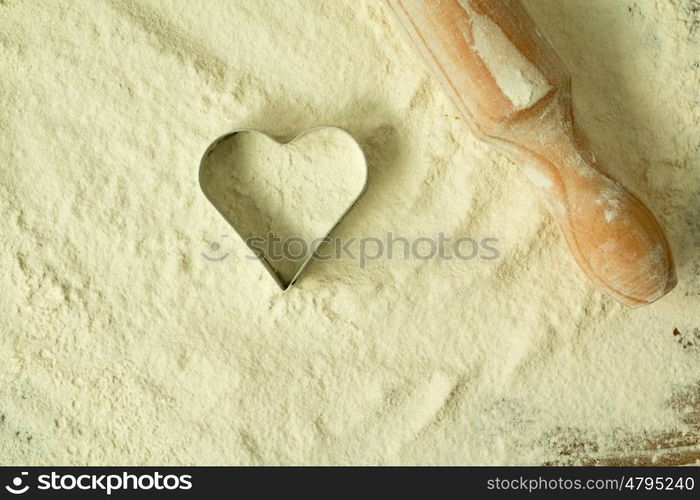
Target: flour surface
120 344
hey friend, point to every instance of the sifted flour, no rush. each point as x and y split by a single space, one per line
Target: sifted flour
120 344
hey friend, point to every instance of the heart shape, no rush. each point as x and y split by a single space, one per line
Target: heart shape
275 193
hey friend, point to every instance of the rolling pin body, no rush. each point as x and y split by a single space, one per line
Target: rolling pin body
514 92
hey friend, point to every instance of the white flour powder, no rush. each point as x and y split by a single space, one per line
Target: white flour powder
517 77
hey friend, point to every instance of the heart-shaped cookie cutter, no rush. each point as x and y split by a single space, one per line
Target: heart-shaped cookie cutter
283 284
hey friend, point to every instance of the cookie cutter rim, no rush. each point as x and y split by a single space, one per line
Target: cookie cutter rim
312 256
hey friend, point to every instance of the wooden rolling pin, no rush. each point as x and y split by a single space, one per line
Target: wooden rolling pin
515 93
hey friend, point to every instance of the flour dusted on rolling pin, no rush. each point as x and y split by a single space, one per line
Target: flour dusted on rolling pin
521 82
491 58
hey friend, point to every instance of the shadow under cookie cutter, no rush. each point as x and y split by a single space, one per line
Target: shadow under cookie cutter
283 284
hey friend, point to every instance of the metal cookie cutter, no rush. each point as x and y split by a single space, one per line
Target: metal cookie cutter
283 284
